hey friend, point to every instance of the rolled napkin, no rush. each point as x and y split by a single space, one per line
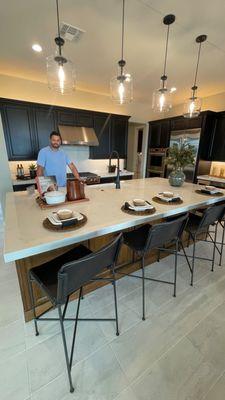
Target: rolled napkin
130 205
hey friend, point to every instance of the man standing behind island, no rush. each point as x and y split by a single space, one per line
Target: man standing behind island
52 160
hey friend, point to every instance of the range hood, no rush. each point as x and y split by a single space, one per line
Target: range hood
78 135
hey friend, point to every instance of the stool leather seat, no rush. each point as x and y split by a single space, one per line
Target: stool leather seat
47 274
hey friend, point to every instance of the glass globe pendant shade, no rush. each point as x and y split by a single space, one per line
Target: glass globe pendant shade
60 74
192 107
121 88
161 100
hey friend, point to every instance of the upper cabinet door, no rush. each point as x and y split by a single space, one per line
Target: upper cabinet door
159 133
18 130
66 117
218 147
84 118
119 135
44 124
103 150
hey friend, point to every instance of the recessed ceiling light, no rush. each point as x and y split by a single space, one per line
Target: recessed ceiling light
173 89
36 47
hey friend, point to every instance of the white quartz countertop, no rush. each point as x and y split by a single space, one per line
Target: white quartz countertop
23 182
26 236
100 173
211 178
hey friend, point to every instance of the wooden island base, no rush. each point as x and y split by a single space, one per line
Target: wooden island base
42 303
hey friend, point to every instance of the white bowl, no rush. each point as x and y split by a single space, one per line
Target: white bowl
55 197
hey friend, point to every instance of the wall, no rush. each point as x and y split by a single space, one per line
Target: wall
23 89
132 146
5 181
214 103
78 155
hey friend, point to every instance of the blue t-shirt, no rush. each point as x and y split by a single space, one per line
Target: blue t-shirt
54 163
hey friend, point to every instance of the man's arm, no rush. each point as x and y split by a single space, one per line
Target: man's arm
40 170
74 170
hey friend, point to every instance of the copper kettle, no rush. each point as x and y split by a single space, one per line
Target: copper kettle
75 189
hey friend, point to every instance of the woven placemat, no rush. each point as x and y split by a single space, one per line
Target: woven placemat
48 225
208 194
132 212
159 201
43 205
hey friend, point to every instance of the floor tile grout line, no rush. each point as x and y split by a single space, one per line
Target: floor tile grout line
174 345
213 385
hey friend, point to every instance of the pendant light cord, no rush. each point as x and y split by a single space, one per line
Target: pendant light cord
194 88
166 50
57 13
123 12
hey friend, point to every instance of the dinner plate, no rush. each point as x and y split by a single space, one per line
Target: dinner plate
147 206
168 199
54 219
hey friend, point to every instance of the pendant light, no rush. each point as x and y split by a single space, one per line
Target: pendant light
161 100
121 85
60 70
192 106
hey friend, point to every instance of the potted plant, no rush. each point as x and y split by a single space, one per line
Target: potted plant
180 157
32 169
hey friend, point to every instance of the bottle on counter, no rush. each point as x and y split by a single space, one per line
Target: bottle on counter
22 170
18 169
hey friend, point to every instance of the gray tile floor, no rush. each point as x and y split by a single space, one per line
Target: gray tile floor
176 354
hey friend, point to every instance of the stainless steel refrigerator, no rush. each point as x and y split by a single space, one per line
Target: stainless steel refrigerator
192 137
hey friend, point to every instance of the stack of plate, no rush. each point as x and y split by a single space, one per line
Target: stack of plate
168 197
210 190
138 205
58 218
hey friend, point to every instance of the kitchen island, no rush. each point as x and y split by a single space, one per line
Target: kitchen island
29 244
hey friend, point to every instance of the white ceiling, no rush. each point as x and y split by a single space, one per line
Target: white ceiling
25 22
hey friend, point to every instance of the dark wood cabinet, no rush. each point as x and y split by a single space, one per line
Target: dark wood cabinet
103 150
181 123
84 118
44 124
218 143
119 133
159 133
27 127
18 127
65 117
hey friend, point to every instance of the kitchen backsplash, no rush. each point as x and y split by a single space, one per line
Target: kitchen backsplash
79 155
217 169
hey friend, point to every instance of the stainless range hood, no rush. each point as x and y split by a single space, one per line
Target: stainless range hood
78 135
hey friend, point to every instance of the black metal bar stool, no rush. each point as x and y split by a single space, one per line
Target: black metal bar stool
68 273
147 237
199 224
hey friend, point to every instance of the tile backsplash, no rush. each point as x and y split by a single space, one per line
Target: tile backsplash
79 155
217 169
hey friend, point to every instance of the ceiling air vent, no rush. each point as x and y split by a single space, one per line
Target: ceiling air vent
70 33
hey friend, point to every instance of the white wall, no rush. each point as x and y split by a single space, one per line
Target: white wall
5 178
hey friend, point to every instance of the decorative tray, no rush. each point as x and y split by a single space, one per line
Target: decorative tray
71 227
43 205
173 202
125 208
205 193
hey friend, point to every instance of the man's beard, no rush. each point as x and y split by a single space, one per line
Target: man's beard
56 146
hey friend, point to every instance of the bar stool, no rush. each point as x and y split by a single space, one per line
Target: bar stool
199 224
147 237
68 273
